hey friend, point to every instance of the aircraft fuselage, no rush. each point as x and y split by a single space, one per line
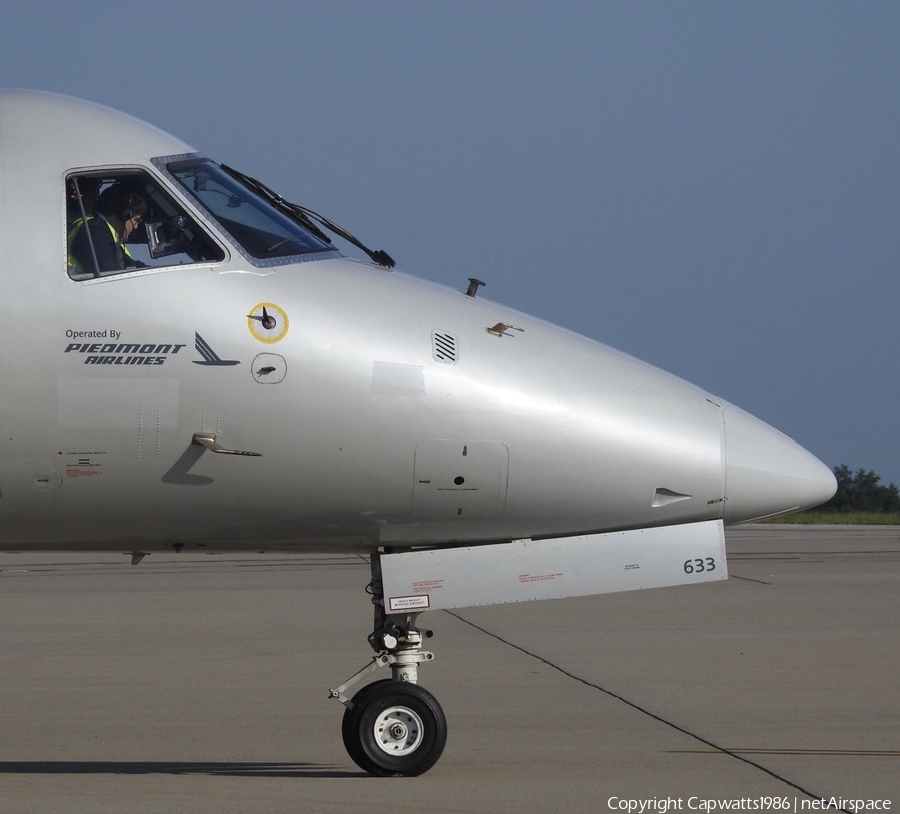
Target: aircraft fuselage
383 409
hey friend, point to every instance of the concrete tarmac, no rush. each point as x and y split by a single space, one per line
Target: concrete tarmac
197 683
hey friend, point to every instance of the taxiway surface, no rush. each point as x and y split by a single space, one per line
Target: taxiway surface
198 683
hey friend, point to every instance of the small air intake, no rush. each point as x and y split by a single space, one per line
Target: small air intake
444 347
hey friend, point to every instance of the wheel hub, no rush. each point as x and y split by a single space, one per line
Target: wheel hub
398 731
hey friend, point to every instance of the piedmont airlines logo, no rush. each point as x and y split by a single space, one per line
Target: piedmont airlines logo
137 353
210 357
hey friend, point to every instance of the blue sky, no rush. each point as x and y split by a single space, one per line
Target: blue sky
712 187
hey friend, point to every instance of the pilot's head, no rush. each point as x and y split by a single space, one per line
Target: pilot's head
124 206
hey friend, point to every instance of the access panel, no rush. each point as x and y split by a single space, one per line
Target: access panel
460 479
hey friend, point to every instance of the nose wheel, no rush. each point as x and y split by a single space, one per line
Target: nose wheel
394 729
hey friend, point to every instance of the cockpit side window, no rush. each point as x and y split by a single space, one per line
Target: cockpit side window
258 227
120 221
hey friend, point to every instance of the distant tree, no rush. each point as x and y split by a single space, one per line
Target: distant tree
861 491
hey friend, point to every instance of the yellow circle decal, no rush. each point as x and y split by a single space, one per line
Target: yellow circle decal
267 322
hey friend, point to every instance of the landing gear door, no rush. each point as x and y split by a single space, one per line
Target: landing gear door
524 570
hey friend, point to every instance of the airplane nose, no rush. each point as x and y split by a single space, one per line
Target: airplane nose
767 473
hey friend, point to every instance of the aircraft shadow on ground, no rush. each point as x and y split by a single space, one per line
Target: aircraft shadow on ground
212 768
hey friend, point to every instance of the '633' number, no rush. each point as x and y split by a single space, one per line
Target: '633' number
700 565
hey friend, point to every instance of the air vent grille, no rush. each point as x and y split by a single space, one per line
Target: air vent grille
444 347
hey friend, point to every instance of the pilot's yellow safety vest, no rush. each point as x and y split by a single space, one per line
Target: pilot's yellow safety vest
74 263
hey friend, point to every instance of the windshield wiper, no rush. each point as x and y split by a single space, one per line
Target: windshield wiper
308 218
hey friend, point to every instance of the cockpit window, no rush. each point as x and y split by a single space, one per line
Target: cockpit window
120 221
263 231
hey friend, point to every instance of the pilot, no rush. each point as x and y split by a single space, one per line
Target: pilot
118 212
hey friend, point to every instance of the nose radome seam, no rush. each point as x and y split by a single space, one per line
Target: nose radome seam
766 472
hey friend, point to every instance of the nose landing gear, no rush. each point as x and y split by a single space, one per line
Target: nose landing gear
392 727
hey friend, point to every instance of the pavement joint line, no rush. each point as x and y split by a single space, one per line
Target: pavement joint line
633 705
813 752
749 579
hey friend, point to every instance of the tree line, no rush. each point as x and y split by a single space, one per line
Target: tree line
861 491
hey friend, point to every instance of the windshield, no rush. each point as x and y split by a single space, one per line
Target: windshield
262 230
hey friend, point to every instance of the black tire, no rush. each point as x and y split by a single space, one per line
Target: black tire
395 729
351 743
